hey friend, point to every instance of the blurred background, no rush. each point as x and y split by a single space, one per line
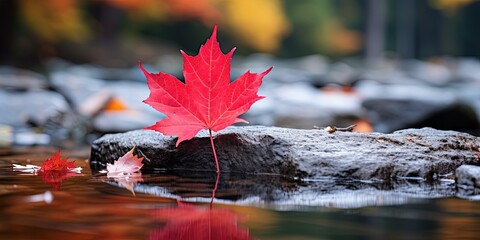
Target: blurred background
68 69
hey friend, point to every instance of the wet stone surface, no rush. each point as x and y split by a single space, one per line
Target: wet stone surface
426 153
468 182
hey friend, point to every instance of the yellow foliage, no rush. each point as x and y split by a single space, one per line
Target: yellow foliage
450 6
204 10
260 24
141 9
54 20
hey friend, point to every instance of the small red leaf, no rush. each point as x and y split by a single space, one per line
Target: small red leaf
125 165
56 163
55 170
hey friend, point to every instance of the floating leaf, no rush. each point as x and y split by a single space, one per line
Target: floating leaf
56 163
54 170
128 164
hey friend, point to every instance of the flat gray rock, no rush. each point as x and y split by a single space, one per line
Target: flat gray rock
408 154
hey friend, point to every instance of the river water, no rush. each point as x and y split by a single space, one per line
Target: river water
166 205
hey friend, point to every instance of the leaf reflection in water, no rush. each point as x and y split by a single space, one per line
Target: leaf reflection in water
188 221
127 181
55 178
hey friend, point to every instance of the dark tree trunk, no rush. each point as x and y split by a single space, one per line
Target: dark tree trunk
374 38
8 11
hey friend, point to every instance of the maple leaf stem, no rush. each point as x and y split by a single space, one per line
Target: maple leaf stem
215 189
214 152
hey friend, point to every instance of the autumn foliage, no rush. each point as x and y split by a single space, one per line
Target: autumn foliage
207 99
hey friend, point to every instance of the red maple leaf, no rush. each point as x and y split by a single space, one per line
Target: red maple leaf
55 170
207 99
56 163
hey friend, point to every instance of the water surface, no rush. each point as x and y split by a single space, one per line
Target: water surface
176 205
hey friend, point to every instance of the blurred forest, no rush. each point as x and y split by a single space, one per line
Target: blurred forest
116 33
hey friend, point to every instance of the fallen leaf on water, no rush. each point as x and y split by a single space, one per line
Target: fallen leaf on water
126 170
128 164
56 163
54 170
